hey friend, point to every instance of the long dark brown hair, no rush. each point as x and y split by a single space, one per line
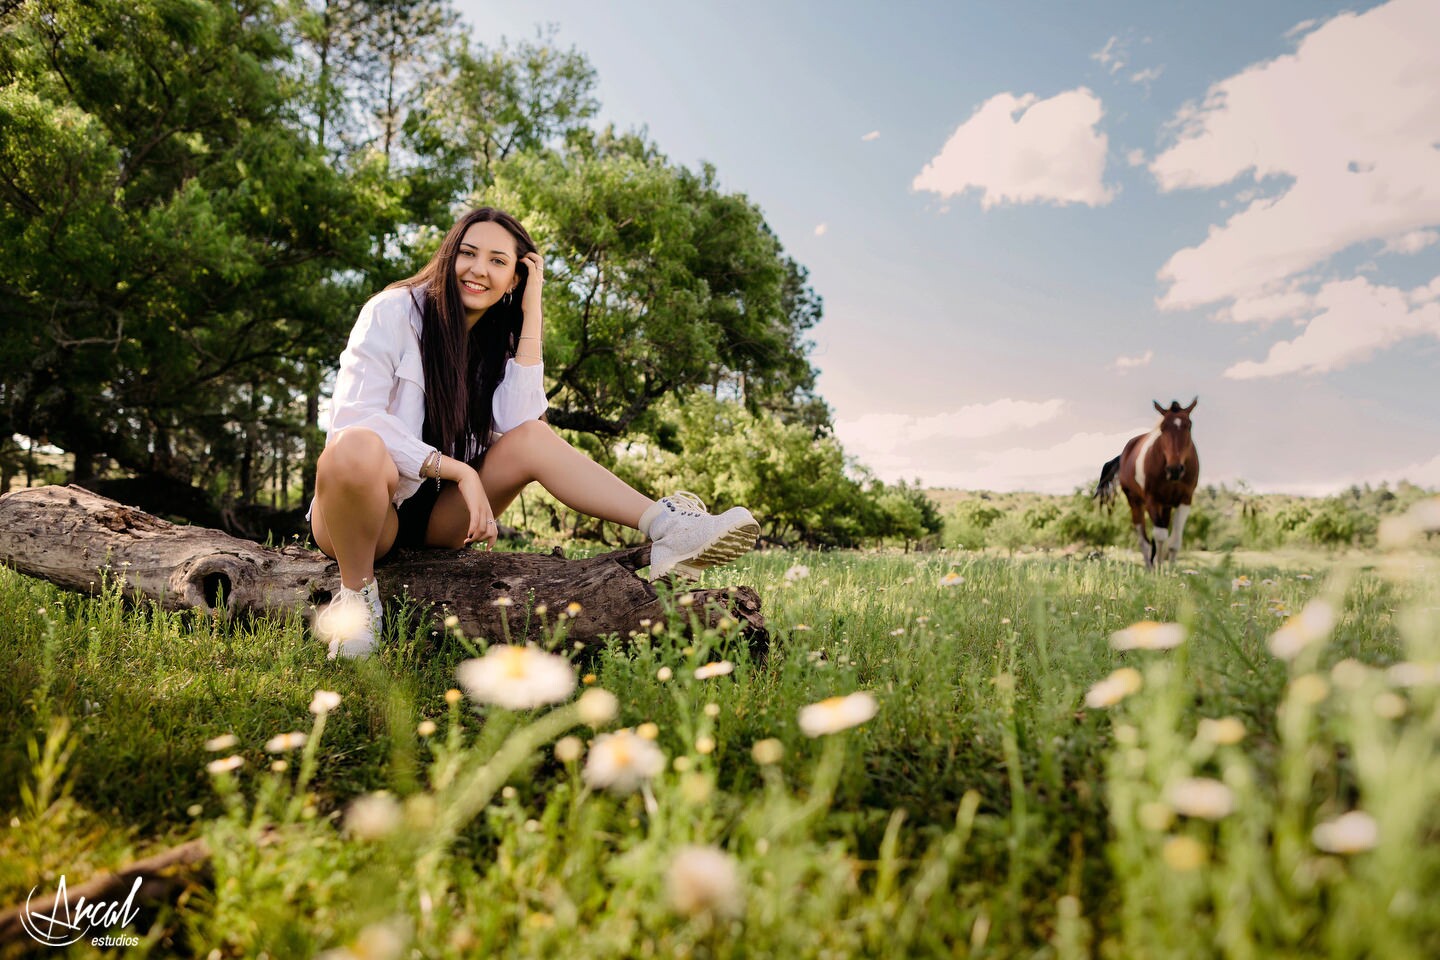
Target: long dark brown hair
462 371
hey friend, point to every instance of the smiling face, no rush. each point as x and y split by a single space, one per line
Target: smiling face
484 267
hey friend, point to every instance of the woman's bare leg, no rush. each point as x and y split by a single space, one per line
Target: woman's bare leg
533 451
353 520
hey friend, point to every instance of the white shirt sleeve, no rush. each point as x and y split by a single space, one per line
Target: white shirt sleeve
367 380
519 397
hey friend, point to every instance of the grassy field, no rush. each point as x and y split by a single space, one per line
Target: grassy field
1023 789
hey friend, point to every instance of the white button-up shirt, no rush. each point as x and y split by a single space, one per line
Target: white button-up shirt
381 386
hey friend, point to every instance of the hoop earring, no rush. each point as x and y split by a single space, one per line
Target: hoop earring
507 297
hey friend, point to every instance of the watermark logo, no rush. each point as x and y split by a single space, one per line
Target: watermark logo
60 925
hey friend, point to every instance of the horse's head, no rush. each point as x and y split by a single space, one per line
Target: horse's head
1174 443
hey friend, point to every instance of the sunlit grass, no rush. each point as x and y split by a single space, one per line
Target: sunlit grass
983 808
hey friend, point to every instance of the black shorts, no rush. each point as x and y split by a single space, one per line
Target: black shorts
414 514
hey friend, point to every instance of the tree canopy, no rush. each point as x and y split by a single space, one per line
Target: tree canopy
196 197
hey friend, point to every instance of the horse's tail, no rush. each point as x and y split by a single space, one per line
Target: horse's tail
1109 480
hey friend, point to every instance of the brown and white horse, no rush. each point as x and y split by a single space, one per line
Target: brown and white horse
1158 472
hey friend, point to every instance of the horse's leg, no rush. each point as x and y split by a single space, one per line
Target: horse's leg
1137 517
1160 518
1178 530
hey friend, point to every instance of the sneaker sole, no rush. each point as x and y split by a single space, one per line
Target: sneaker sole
735 542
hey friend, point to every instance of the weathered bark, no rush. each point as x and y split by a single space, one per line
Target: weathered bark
76 539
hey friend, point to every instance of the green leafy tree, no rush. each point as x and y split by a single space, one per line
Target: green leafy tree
168 228
658 283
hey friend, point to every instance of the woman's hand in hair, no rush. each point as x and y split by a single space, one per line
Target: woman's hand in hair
534 284
482 520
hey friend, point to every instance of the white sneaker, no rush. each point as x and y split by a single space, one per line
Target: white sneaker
351 622
686 539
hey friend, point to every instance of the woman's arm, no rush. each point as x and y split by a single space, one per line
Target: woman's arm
528 352
368 369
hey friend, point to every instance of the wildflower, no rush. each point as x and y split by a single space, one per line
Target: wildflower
225 764
837 713
719 668
951 579
279 766
1351 832
516 677
1309 689
1155 816
451 622
898 632
1191 573
1410 674
541 609
598 707
686 600
324 701
622 761
705 746
452 696
1239 583
426 728
1114 688
372 816
282 742
649 731
223 742
502 602
797 572
1303 576
1226 731
1184 854
1201 797
664 674
509 792
1148 635
704 881
588 679
801 627
568 749
712 710
768 751
573 608
1390 706
1310 625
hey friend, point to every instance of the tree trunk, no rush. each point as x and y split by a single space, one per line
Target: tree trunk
77 539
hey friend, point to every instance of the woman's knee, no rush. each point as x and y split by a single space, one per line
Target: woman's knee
356 456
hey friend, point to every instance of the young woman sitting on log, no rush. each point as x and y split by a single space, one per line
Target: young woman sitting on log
435 428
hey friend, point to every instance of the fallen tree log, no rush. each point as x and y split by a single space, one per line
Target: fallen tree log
79 540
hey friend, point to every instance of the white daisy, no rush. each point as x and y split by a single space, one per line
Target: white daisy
516 677
1148 635
1201 797
1114 688
719 668
837 713
622 761
704 880
1352 832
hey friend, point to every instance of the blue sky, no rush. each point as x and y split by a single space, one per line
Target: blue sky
1000 314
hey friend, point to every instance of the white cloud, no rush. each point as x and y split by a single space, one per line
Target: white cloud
821 229
1356 320
1346 126
880 433
1279 303
1058 468
1147 75
1412 242
1025 150
1112 56
1129 363
872 135
1136 157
